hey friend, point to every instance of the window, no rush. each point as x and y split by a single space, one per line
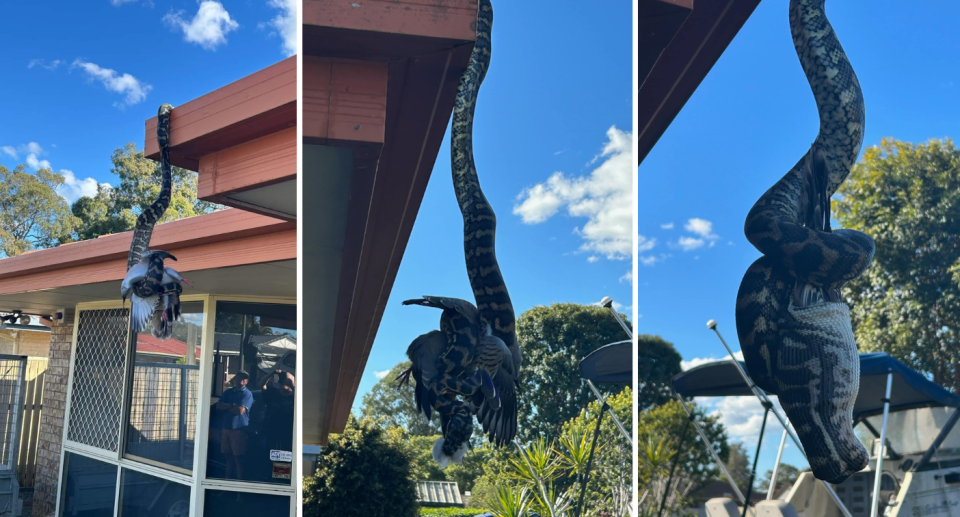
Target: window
252 398
230 504
163 396
88 487
142 495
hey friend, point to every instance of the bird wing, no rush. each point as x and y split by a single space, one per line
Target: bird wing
423 353
500 425
463 307
135 274
141 311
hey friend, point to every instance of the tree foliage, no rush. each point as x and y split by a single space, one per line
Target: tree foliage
32 214
662 428
907 197
786 476
361 472
739 464
115 209
553 340
657 362
396 407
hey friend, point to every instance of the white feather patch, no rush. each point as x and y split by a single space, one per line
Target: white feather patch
442 459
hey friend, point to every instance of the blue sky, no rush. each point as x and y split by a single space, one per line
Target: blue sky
80 78
560 80
750 120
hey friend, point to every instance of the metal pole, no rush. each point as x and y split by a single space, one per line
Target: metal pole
712 324
716 458
756 458
883 440
608 303
586 475
613 415
673 468
776 466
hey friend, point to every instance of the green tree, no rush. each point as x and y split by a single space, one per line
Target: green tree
396 407
361 472
739 465
553 340
907 197
115 209
786 476
657 362
32 214
666 423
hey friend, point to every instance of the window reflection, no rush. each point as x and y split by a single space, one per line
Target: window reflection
163 398
147 496
89 487
252 399
230 504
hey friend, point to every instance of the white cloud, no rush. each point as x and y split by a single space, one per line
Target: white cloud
382 374
592 258
33 151
697 361
701 227
667 226
646 244
42 64
208 28
74 188
285 23
627 278
605 198
690 243
118 3
9 150
743 416
125 84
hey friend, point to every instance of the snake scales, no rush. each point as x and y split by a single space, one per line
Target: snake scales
470 367
794 330
154 289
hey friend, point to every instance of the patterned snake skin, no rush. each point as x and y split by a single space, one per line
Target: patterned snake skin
794 330
476 355
154 289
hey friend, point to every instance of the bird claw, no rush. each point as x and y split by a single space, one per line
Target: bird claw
403 378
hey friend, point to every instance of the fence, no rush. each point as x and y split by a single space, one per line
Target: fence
32 406
163 409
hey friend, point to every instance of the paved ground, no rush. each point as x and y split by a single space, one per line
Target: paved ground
26 495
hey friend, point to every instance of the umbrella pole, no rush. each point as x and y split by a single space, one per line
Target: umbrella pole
613 415
586 475
712 324
883 440
756 458
776 466
676 459
608 303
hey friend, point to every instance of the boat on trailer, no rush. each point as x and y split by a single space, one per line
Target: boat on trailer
919 469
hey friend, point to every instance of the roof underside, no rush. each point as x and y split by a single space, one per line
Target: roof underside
680 40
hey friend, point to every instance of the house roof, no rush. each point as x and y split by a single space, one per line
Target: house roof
242 141
218 252
679 42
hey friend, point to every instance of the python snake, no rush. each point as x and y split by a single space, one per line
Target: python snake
154 289
476 368
794 329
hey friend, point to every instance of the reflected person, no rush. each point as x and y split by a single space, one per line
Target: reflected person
235 405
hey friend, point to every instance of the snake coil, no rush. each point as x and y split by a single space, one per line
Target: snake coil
794 330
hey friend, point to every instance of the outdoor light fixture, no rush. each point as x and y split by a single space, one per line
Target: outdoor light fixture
34 328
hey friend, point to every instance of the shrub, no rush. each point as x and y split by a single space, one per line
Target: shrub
361 473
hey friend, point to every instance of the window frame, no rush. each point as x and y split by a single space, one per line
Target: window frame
196 479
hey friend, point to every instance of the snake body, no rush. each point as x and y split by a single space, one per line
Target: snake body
476 371
794 330
154 289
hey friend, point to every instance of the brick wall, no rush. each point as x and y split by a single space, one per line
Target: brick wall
34 344
51 421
